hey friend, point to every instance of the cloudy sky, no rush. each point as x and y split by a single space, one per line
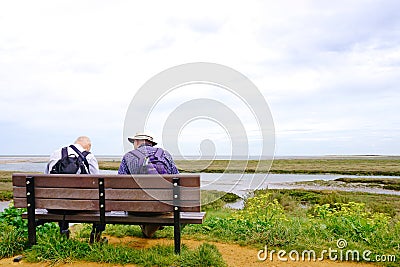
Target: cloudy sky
329 70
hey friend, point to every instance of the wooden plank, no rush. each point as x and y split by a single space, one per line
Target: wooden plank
20 202
138 206
59 204
66 193
110 194
148 181
150 194
150 206
58 182
121 218
113 181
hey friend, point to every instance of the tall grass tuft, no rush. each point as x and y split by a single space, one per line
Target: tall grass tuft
12 240
205 255
13 232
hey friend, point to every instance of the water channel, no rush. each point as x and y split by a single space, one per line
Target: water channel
240 184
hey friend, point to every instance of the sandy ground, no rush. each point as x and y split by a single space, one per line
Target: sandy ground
234 255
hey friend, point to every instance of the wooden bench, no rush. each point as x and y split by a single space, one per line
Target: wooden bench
109 199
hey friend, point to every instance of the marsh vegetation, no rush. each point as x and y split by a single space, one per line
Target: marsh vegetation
358 166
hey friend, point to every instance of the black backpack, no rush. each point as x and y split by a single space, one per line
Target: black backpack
151 164
70 164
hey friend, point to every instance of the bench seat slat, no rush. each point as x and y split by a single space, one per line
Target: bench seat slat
151 206
93 205
121 218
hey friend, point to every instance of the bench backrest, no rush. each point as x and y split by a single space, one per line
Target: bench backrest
138 193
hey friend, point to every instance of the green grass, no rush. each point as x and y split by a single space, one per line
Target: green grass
385 183
304 220
5 185
5 176
375 166
55 249
12 240
6 195
281 219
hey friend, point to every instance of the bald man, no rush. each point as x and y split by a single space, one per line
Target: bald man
82 143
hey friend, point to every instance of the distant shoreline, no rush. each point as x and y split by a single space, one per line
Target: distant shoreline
37 158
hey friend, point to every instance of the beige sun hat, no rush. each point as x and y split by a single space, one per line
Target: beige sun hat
142 136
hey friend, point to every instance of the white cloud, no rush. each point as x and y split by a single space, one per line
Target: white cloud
329 70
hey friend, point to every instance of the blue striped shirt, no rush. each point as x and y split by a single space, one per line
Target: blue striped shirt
130 163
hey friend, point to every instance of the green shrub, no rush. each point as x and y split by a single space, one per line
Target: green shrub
260 221
13 216
261 209
352 221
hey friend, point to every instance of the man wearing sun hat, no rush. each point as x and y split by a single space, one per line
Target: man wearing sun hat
132 163
144 144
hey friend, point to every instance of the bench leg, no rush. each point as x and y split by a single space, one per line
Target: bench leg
95 235
31 230
177 232
177 238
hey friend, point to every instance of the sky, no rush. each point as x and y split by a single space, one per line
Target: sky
329 71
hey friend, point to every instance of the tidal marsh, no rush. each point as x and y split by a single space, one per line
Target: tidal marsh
353 166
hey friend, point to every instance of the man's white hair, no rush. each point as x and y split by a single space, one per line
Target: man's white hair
84 141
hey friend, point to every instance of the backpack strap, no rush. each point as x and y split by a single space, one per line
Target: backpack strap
141 157
64 152
82 155
159 153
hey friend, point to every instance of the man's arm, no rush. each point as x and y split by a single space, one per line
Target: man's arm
53 160
123 167
93 164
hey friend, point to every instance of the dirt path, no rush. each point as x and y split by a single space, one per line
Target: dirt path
234 255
